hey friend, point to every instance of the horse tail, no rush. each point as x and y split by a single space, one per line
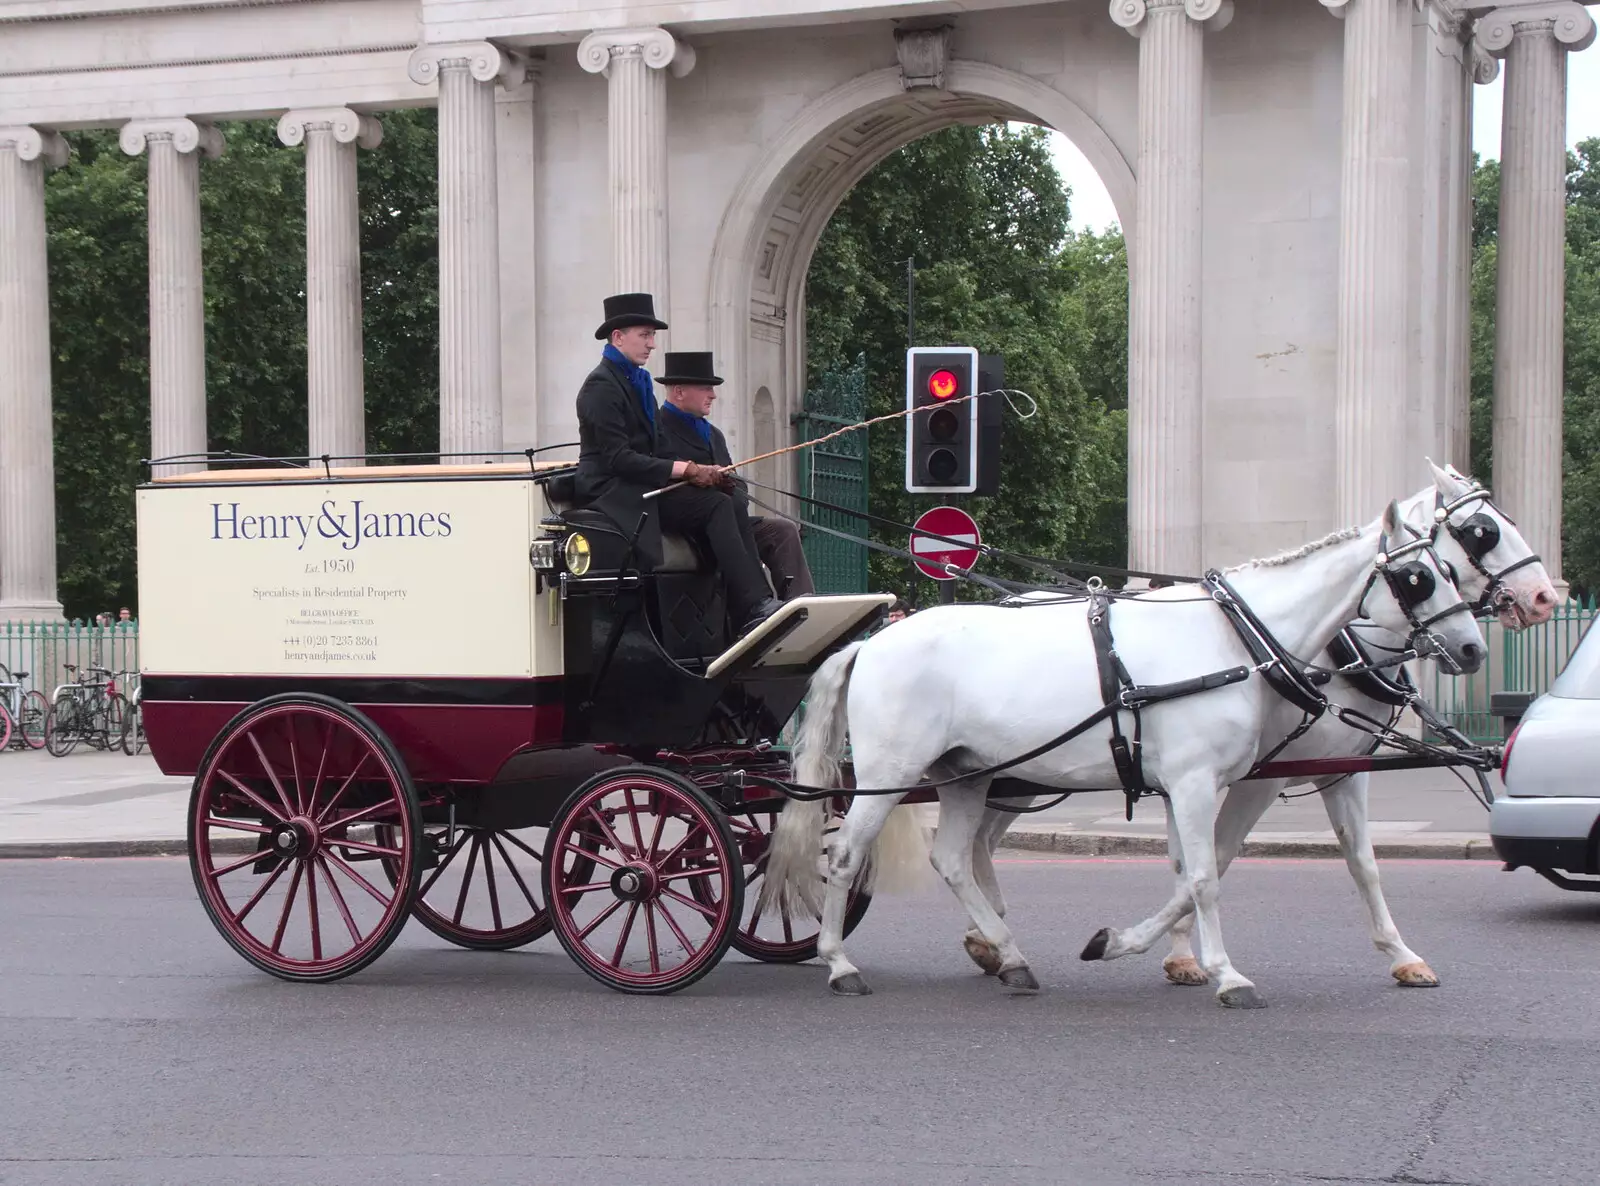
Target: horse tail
791 874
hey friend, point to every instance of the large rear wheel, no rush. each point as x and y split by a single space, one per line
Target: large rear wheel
295 795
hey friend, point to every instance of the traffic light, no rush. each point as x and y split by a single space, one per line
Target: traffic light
941 443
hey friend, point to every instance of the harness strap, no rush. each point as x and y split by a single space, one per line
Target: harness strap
1128 758
1347 651
1279 668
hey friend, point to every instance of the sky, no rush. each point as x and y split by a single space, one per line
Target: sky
1091 206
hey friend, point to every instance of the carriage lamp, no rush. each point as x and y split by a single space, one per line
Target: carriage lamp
576 554
542 554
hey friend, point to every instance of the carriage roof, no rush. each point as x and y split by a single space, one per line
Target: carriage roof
363 473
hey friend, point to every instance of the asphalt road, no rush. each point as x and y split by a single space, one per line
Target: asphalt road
135 1047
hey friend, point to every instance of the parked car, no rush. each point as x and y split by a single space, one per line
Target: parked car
1548 819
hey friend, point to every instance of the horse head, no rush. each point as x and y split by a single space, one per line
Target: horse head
1494 565
1411 592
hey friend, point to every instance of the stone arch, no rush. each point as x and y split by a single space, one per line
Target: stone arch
764 439
777 214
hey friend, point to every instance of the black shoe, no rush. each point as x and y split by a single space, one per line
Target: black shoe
760 614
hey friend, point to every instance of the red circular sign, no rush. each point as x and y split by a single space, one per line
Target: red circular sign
953 523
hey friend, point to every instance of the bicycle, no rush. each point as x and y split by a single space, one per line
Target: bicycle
22 713
133 740
84 710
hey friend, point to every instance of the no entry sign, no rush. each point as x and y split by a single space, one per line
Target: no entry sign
953 523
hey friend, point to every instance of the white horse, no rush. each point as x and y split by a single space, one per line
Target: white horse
959 689
1493 565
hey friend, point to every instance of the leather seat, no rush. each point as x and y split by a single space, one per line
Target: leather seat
678 554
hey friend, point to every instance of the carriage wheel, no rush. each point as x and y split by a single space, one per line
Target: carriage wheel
644 880
486 891
35 711
774 936
315 790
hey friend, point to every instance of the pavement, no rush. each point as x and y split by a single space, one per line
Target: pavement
138 1049
92 803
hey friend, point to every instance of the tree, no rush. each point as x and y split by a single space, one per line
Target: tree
997 268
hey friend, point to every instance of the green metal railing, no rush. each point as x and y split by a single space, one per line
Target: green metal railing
43 649
1526 661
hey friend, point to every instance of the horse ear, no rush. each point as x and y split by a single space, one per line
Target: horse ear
1391 520
1449 482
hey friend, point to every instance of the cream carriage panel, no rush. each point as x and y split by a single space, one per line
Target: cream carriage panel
357 578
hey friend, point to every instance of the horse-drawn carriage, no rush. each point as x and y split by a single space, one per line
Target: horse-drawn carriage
441 692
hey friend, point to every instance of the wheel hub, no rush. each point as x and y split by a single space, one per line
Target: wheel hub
634 882
296 838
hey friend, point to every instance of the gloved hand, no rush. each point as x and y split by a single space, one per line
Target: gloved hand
725 478
704 476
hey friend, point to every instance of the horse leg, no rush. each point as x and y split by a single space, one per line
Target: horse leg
993 826
851 845
1193 809
1243 805
961 820
1346 801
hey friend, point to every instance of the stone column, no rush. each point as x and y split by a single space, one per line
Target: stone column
27 467
1530 300
1164 394
177 301
1371 465
471 416
636 120
335 398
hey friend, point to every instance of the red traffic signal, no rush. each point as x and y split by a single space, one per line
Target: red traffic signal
942 384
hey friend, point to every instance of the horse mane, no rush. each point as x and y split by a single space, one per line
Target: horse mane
1300 553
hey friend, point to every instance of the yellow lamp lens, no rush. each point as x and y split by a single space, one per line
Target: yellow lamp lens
576 554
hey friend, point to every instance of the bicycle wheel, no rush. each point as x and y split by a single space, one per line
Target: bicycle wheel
108 721
61 728
35 708
5 729
130 724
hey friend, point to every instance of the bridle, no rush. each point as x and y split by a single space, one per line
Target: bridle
1412 582
1477 537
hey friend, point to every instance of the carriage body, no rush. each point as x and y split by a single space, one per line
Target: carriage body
380 674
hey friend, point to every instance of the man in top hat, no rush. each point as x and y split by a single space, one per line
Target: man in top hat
683 432
617 463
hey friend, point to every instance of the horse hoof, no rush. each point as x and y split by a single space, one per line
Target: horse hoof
1243 996
982 953
1184 970
1095 949
1020 980
1417 975
849 985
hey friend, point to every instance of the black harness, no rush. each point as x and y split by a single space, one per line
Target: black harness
1477 537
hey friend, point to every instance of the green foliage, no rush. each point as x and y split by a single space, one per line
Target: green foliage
997 268
253 251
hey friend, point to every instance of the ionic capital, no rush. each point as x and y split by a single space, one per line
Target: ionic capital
32 144
1485 66
1340 7
486 61
186 136
659 49
1132 14
1568 21
347 126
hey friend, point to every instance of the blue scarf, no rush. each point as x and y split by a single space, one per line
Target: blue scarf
699 423
639 378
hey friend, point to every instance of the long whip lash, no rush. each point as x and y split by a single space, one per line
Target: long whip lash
864 424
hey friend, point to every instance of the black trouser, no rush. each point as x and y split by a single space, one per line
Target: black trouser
721 521
778 545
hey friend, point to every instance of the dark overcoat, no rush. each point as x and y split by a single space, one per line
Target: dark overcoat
677 440
617 461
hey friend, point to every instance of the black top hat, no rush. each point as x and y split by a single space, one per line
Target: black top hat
692 368
631 308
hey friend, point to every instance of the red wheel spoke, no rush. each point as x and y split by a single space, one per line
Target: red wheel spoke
363 846
655 837
338 900
466 880
517 877
271 812
568 846
272 774
239 864
616 904
294 769
488 872
585 889
633 820
322 766
689 902
694 826
627 929
238 919
788 930
344 821
311 899
706 871
508 836
359 880
343 787
235 825
688 947
450 856
650 931
288 903
755 917
605 830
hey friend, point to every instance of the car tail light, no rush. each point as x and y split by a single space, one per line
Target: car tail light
1505 755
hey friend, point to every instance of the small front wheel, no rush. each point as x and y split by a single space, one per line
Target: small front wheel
35 711
643 881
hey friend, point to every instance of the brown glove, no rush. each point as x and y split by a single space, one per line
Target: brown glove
704 476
